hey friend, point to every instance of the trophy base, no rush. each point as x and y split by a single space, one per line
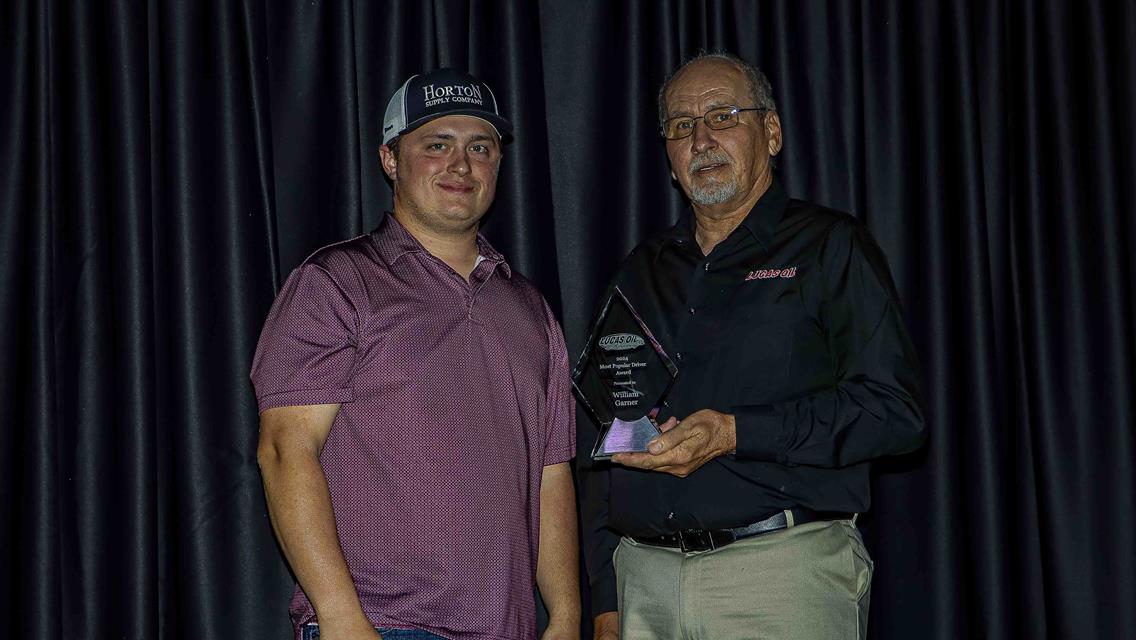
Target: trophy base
625 436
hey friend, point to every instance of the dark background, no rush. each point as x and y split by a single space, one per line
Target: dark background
165 164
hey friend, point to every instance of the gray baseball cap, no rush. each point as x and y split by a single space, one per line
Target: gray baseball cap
442 92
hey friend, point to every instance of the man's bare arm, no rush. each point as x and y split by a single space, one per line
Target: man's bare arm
558 560
299 505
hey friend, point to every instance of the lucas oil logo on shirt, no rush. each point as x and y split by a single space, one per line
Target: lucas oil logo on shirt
621 342
452 93
765 274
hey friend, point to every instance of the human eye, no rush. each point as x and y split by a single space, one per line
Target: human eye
479 148
723 115
437 146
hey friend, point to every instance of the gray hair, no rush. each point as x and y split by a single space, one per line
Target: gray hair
759 88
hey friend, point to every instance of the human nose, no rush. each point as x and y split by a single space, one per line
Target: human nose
702 138
460 163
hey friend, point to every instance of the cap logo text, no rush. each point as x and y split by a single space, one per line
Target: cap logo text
434 95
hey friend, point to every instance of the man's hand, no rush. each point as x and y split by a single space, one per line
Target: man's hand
606 626
687 445
355 628
556 631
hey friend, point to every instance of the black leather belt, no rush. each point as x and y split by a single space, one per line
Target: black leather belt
709 539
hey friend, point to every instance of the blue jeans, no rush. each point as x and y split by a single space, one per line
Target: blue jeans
312 632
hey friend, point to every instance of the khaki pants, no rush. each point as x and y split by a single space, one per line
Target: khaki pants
809 582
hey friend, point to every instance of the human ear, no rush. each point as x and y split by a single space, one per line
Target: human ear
390 163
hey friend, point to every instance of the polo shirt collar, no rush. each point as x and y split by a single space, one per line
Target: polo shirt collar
393 241
761 221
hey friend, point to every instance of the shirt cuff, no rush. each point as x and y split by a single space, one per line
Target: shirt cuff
305 397
761 433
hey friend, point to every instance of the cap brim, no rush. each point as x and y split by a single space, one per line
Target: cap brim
503 127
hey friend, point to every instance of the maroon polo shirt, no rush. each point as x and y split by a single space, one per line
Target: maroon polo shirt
455 395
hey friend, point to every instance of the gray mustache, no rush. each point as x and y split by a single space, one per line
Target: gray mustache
705 161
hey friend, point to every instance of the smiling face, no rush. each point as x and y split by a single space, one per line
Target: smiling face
724 171
445 175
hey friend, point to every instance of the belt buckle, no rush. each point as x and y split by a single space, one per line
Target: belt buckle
696 540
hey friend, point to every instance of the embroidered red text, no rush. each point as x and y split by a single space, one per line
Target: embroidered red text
765 274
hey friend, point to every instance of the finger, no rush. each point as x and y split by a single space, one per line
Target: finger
670 449
648 462
683 467
692 434
669 440
637 460
677 455
645 461
661 443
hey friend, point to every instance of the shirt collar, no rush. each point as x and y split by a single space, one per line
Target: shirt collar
393 241
761 221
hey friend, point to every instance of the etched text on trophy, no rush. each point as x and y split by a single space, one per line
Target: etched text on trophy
622 378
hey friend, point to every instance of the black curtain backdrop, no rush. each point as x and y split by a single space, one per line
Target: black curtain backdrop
165 164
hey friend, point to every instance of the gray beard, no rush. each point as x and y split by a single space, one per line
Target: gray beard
713 193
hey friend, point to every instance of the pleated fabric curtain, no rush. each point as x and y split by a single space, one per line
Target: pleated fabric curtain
138 250
166 164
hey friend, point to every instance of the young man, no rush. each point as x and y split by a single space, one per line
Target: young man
416 418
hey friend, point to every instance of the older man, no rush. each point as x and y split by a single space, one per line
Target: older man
795 371
415 406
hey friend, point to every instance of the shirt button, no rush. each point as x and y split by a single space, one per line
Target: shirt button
706 267
692 311
678 355
671 516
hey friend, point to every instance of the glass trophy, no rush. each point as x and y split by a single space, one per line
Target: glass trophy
622 378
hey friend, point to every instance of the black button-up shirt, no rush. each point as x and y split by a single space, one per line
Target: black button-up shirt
792 325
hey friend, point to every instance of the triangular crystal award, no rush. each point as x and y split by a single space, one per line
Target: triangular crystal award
622 378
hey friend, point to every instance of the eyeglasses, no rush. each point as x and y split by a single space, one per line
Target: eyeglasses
717 118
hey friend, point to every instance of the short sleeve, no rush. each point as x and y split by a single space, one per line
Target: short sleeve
306 352
560 429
